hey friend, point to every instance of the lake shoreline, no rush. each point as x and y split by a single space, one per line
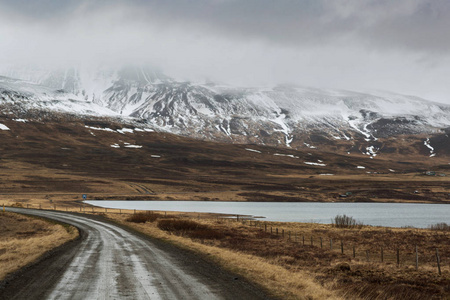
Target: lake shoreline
417 215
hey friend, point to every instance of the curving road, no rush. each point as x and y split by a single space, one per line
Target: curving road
110 262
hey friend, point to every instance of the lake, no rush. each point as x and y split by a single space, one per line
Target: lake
377 214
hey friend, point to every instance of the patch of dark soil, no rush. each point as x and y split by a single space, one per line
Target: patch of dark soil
260 197
393 194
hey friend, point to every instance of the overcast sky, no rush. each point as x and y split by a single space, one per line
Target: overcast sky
401 46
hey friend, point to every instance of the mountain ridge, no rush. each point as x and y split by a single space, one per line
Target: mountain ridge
284 115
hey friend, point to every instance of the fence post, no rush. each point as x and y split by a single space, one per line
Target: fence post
417 258
382 255
271 231
331 244
354 251
367 255
282 233
120 211
303 237
265 227
277 231
106 210
311 240
289 235
438 260
135 211
342 247
321 244
398 257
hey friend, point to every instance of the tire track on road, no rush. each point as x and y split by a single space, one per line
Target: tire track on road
111 262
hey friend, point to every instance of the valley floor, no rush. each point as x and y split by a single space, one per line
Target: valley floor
313 261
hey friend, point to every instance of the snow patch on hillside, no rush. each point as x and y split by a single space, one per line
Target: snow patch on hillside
125 130
286 155
252 150
428 145
315 164
99 128
371 151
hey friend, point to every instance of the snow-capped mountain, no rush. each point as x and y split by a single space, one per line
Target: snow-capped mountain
283 115
22 95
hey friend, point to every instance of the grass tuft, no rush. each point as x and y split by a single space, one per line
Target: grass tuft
190 228
440 227
143 217
343 221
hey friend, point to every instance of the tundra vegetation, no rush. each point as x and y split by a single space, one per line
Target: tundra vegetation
315 261
24 239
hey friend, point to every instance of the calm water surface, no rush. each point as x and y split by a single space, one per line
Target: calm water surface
378 214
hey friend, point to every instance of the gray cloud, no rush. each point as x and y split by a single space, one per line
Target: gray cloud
408 24
398 45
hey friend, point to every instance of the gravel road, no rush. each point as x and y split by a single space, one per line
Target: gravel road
111 262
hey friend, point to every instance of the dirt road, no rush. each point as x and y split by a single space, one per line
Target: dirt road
110 262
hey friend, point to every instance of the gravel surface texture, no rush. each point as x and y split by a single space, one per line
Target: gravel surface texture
109 261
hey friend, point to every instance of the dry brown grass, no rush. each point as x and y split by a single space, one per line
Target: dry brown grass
143 217
194 170
280 281
291 269
24 239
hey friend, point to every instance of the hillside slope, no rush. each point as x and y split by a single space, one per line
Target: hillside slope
61 157
288 116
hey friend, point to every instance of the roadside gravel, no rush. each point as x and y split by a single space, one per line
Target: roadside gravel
108 261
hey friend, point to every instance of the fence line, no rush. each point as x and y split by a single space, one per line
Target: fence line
384 257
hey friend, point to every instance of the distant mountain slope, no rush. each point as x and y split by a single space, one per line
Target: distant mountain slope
287 116
25 95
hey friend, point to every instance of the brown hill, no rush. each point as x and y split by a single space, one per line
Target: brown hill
59 156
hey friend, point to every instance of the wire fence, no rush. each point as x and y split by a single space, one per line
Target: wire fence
430 257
